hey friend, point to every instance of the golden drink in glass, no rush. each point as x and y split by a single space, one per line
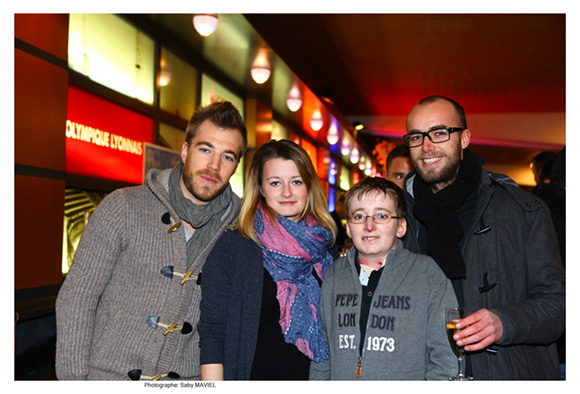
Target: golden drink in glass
452 316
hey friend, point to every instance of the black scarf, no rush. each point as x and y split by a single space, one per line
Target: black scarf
204 218
438 212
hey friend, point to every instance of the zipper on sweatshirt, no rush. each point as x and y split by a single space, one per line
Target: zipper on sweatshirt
362 343
363 334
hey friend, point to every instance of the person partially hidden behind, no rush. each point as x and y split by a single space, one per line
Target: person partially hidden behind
339 216
541 166
129 307
383 307
553 193
399 164
495 241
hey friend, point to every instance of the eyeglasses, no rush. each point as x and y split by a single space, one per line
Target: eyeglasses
436 136
378 218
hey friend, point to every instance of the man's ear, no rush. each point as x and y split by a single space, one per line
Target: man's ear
184 151
465 138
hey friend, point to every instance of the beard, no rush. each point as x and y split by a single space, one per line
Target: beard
198 188
444 175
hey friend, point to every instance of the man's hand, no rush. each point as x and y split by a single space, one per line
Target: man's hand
485 328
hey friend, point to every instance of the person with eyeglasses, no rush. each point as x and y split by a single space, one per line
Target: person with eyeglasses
382 307
493 240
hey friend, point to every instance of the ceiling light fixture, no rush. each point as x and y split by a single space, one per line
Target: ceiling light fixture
361 163
164 78
316 121
345 146
260 74
205 24
332 137
260 70
354 155
332 171
294 100
358 126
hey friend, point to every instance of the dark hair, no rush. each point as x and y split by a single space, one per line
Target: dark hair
458 108
543 164
376 184
398 151
222 114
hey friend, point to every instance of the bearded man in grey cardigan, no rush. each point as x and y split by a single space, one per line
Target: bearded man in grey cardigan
129 307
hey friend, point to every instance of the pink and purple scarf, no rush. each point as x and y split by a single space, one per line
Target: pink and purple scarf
291 250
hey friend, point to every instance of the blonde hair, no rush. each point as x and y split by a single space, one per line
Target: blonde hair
316 205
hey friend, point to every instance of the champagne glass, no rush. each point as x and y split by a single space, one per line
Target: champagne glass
452 316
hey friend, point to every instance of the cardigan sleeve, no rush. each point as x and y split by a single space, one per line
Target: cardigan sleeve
76 305
215 288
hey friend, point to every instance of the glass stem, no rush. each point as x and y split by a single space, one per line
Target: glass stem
460 371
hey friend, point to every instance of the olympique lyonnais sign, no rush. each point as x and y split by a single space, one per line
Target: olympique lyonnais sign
103 139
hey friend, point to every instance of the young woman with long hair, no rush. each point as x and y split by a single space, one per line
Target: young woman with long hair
260 317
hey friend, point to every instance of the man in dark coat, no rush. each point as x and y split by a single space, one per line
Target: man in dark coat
493 240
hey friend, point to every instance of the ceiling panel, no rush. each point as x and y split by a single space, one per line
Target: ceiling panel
377 66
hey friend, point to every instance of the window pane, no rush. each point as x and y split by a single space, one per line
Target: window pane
211 91
171 137
279 132
113 53
344 178
178 83
78 206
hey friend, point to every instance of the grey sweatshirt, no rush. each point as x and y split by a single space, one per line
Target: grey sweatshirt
405 335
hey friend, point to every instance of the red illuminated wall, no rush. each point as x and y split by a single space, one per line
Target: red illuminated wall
40 96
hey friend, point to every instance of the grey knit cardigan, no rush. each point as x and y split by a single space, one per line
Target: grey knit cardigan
124 289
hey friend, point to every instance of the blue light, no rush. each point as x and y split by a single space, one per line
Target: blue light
331 205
